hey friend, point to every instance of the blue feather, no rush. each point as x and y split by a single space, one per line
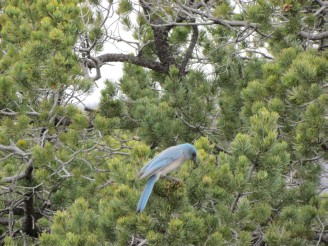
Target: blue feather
164 162
146 193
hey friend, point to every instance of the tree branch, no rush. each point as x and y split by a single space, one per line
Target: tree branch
321 3
12 113
189 51
153 65
29 223
163 50
312 36
4 222
13 148
321 237
97 64
227 23
26 174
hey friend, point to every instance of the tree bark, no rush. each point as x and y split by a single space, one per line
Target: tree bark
29 223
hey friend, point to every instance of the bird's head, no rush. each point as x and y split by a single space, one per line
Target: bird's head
192 152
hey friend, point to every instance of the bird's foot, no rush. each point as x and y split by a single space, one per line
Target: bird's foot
173 181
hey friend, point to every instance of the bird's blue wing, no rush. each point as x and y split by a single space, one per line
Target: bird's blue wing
156 159
162 160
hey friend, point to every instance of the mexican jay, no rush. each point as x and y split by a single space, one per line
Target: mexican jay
163 163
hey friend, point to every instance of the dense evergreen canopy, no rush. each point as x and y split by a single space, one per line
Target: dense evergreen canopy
245 81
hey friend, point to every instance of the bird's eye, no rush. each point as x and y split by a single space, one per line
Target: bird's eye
194 154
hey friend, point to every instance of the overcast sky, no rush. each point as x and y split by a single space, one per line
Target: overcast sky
112 71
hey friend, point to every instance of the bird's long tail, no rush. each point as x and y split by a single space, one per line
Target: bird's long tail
146 193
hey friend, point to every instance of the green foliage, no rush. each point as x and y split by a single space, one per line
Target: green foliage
259 12
222 9
229 196
209 188
70 226
259 127
180 35
159 109
125 6
299 84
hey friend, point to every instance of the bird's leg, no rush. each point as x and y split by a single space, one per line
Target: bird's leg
174 181
170 178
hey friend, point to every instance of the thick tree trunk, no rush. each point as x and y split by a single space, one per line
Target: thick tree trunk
29 222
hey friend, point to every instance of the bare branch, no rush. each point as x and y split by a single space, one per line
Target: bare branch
227 23
3 221
11 219
97 65
312 36
190 49
321 3
319 11
13 113
13 148
26 174
153 65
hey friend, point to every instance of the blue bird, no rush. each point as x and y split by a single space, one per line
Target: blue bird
163 163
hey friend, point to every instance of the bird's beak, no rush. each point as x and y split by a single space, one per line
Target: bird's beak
194 160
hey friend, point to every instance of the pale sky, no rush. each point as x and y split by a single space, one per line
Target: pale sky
113 71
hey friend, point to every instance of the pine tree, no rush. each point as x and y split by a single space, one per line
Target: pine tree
50 151
258 120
